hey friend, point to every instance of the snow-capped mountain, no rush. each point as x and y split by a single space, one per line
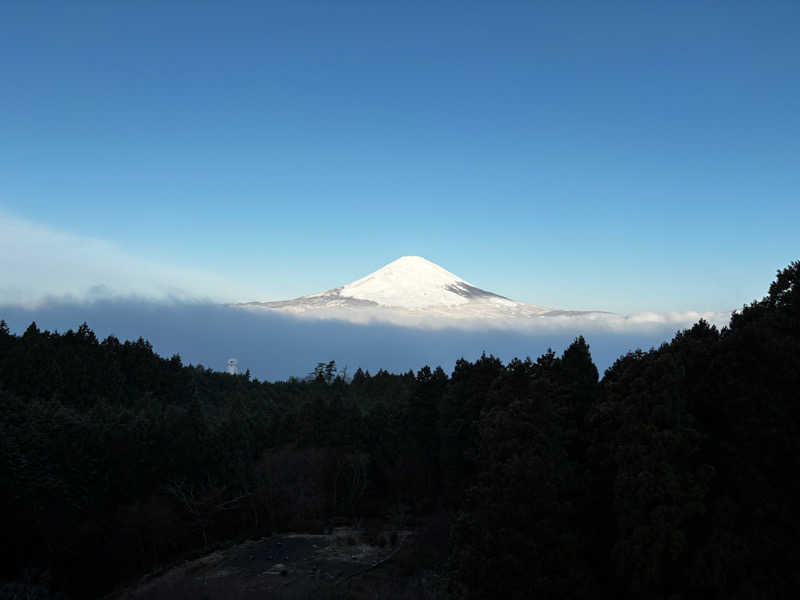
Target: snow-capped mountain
413 291
410 287
412 282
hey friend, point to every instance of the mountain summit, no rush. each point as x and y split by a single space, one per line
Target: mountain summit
411 282
409 287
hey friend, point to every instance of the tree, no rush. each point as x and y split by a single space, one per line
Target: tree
460 410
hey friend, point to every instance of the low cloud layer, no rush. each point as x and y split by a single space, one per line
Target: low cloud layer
550 322
275 346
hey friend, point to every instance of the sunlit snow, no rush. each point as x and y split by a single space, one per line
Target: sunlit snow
415 292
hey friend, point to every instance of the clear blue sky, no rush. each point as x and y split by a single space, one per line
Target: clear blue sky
607 155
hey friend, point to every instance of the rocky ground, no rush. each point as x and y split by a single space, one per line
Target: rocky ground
345 563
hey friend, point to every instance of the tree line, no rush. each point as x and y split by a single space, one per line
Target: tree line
673 476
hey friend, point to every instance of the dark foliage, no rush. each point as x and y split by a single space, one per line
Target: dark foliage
672 477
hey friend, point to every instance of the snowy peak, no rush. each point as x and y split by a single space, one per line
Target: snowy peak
412 282
414 292
409 287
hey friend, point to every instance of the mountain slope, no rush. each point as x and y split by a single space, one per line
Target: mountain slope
408 286
412 282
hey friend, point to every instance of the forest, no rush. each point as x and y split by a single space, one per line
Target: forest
672 476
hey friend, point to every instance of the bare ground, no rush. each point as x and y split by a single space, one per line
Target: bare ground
347 563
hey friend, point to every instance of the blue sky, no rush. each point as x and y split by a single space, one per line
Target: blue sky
618 155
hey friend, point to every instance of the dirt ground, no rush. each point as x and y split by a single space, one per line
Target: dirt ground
339 565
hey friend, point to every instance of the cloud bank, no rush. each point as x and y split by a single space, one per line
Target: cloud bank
550 322
276 346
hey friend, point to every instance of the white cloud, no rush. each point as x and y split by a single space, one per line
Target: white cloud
558 322
37 262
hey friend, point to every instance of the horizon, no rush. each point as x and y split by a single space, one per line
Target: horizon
155 282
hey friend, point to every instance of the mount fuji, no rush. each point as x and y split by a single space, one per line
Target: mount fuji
414 291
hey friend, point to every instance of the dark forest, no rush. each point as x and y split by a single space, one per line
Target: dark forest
673 476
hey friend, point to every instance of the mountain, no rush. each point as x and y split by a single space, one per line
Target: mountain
412 282
412 290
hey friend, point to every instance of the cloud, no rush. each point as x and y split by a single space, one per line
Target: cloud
550 322
38 262
276 346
